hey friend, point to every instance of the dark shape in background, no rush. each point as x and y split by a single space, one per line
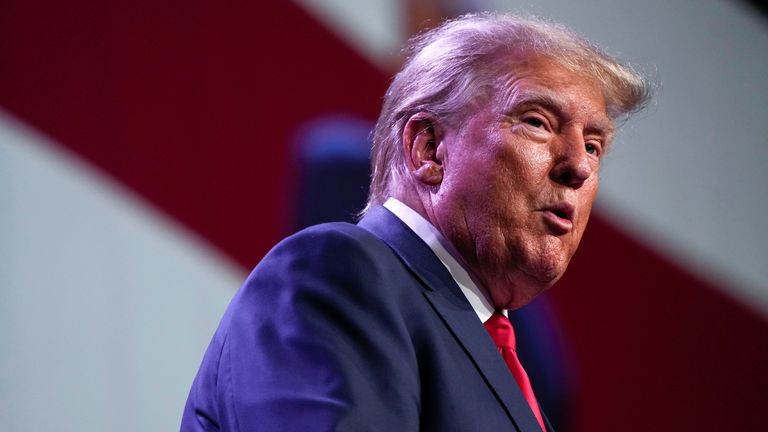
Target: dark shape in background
758 6
193 106
333 154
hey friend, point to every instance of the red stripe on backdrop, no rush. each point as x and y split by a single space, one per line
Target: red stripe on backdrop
658 348
192 104
193 107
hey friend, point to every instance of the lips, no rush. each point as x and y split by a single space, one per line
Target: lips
559 217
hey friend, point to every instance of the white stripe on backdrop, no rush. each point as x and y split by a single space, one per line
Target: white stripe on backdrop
92 334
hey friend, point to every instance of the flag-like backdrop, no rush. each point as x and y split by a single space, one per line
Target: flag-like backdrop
149 158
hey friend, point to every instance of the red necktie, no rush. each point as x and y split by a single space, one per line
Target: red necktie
503 336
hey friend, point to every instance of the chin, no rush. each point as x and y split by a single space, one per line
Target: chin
521 289
519 281
547 272
544 261
524 288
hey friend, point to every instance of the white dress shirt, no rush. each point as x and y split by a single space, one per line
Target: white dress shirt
447 254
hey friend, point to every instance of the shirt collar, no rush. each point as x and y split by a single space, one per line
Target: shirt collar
447 254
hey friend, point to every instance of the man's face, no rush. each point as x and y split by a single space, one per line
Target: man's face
520 176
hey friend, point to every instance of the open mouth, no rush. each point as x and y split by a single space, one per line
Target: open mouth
559 218
562 211
561 214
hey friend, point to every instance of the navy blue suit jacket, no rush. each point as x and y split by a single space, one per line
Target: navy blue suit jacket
353 328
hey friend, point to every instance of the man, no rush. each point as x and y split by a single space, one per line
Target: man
486 159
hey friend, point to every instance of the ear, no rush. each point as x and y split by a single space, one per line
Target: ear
422 136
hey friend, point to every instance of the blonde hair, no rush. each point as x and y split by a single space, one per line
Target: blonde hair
454 65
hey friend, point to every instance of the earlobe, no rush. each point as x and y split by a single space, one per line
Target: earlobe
421 138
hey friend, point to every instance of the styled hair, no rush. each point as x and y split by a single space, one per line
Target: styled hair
458 64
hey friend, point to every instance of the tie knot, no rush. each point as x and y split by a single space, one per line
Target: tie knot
501 331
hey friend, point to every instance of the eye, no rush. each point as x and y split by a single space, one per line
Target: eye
592 148
535 121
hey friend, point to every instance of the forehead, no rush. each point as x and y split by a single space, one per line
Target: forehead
543 82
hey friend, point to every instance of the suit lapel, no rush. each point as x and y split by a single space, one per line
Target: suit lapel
547 424
453 308
465 325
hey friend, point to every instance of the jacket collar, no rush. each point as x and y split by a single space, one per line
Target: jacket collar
449 302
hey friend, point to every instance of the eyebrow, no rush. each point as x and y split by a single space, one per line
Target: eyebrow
544 97
552 101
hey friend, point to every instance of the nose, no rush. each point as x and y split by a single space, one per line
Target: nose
573 165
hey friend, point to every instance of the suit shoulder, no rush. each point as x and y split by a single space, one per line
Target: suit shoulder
329 260
320 317
331 246
333 234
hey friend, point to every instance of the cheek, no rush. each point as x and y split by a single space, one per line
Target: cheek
587 199
536 159
528 165
585 209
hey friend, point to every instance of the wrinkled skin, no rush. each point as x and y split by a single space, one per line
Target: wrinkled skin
517 179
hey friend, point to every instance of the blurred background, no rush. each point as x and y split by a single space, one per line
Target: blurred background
152 152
